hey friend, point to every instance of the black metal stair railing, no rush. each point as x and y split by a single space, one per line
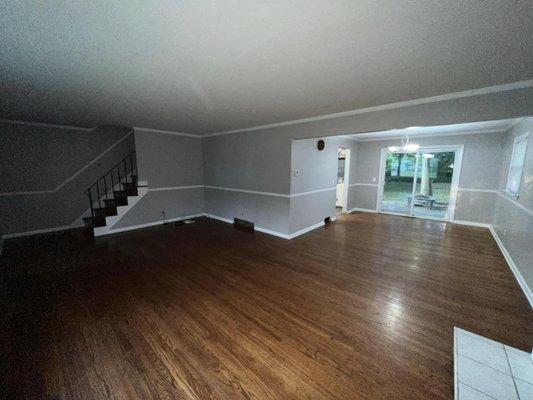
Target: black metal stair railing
103 190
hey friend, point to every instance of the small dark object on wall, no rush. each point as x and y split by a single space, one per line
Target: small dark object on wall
320 145
327 220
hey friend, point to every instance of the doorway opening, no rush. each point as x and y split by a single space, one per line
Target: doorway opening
420 184
343 177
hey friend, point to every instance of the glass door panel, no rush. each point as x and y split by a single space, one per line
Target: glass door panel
398 183
433 185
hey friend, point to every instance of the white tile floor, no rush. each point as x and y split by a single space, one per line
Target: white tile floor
489 370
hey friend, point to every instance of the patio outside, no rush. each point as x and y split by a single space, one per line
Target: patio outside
433 184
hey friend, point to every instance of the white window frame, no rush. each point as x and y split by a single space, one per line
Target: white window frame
518 139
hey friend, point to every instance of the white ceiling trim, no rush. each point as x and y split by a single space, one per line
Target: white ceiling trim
395 137
45 125
166 132
401 104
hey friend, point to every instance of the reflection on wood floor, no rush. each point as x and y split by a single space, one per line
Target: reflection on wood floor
363 308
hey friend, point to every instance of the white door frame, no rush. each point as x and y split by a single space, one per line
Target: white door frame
458 160
347 160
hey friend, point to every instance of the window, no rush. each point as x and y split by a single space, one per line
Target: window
517 165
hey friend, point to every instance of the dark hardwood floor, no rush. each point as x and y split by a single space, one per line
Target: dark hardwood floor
361 309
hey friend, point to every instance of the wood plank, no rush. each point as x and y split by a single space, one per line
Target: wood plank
363 308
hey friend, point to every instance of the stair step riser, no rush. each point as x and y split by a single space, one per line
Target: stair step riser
105 212
94 222
122 201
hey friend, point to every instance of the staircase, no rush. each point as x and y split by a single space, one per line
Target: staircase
112 195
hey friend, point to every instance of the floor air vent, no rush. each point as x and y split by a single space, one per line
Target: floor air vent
243 225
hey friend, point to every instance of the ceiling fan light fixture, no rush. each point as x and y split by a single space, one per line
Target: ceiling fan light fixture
411 147
406 146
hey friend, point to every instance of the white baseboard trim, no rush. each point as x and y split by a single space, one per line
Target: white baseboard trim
469 223
270 231
305 230
455 369
364 184
521 281
148 224
212 216
273 233
257 228
368 210
512 266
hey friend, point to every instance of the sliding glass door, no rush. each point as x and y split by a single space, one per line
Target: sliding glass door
398 183
420 184
432 197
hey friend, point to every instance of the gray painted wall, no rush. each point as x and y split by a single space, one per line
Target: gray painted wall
175 204
317 171
40 158
260 160
311 209
263 163
475 207
480 170
172 162
169 160
513 224
362 197
478 148
249 162
268 212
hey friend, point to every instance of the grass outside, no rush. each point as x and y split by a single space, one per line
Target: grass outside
399 191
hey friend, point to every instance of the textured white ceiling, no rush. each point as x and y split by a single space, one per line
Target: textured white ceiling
208 66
